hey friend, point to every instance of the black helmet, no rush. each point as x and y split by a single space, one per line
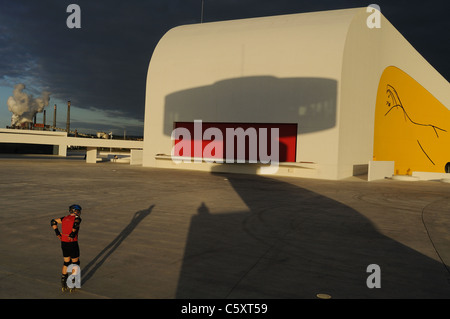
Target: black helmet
75 209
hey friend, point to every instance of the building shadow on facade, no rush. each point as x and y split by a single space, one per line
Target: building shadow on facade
311 102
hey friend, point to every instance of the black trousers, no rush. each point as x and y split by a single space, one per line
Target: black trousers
70 249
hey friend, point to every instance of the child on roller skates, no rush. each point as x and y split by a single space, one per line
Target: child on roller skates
70 226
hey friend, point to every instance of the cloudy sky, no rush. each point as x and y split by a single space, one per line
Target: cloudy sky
101 67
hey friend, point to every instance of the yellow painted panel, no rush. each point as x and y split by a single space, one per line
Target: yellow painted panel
412 127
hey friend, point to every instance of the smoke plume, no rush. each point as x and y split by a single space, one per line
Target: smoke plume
24 106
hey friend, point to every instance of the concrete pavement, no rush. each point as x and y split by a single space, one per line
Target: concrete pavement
166 234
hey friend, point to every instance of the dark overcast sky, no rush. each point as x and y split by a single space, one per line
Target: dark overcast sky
104 64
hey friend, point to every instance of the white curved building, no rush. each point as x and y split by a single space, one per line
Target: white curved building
317 77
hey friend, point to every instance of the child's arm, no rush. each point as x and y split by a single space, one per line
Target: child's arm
54 223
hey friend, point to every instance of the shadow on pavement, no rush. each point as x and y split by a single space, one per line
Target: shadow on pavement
98 261
295 243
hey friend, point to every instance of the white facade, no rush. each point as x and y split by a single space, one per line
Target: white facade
320 70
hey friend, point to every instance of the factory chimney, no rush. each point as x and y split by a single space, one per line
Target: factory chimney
68 118
44 118
54 118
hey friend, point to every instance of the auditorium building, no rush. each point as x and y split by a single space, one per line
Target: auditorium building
343 90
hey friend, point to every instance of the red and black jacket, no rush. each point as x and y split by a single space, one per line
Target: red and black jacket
69 228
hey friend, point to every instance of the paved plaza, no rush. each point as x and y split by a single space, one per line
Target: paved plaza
174 234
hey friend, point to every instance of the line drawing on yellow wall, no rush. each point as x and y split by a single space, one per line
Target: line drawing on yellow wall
397 104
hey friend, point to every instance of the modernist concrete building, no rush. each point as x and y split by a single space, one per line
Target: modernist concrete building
345 93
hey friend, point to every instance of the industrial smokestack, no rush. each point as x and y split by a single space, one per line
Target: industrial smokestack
54 118
68 117
44 118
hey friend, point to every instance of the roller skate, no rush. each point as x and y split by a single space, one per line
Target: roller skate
73 286
64 286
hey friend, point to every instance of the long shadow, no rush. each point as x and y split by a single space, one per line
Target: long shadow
98 261
295 243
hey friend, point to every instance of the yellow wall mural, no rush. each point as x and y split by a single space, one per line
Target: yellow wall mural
412 127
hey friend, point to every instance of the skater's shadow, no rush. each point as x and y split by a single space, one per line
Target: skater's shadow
98 261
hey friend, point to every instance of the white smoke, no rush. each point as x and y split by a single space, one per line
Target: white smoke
24 106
